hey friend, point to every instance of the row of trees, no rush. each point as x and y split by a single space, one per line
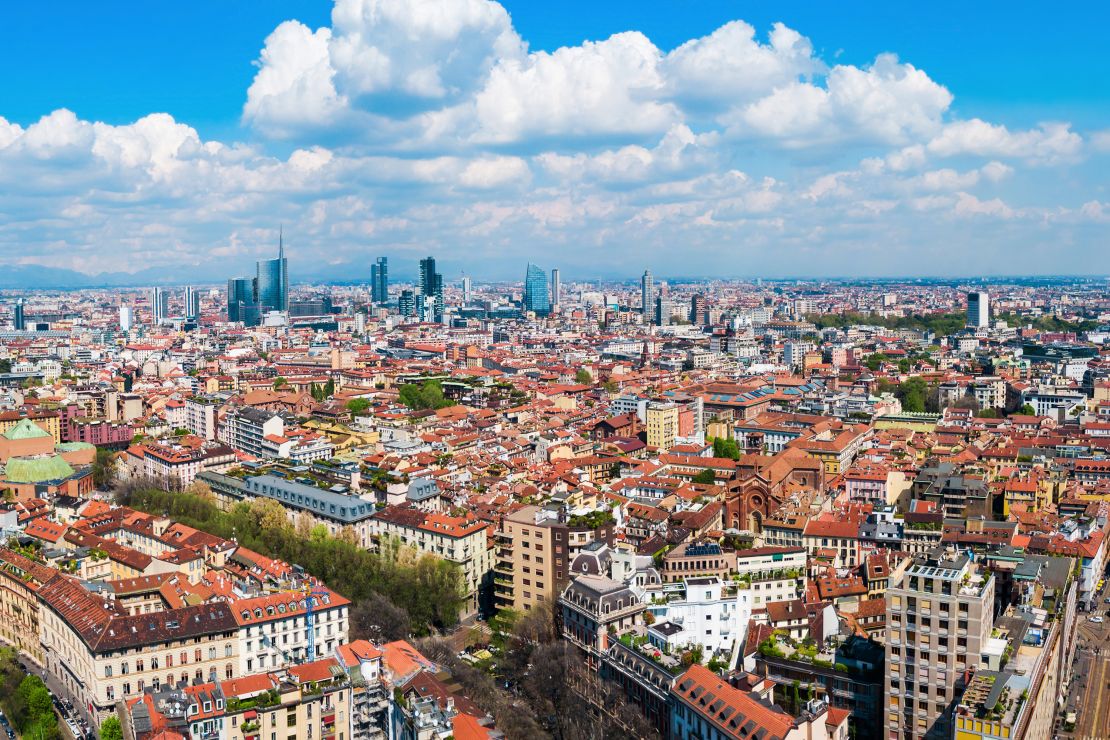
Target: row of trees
26 700
395 590
938 323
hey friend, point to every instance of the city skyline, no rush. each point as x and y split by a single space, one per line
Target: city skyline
816 153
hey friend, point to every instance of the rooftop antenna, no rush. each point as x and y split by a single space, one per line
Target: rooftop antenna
281 241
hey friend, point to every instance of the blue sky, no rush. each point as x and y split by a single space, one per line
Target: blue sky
982 145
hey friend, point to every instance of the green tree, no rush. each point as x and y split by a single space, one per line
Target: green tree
358 405
36 696
280 382
726 448
110 729
987 414
428 395
583 377
706 476
427 588
912 394
104 467
874 361
1028 410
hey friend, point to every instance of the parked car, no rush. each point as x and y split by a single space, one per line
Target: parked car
1095 618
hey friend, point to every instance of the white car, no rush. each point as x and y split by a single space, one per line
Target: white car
1096 620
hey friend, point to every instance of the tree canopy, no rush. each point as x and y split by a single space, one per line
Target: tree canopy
726 448
358 405
706 476
938 323
25 699
419 397
427 588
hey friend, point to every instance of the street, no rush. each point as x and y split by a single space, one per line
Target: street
65 709
1089 694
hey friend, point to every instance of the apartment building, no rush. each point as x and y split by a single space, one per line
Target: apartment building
174 465
316 506
535 547
461 540
704 706
940 613
273 628
101 654
200 416
662 425
20 579
246 429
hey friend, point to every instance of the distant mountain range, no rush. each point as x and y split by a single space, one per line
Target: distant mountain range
37 277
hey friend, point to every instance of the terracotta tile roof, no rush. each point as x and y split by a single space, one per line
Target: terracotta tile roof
736 713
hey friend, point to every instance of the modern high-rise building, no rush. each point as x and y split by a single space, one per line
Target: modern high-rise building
978 309
240 292
159 305
126 317
556 289
647 296
536 297
272 281
192 303
467 288
18 319
699 314
939 617
379 281
406 303
431 292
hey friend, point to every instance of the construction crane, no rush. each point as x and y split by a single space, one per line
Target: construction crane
310 593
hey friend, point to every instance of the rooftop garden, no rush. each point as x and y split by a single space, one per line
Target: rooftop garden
592 520
265 699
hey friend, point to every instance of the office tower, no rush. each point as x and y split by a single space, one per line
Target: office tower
126 317
939 616
556 289
379 281
159 306
467 288
535 291
431 291
978 309
406 303
647 296
240 292
18 320
272 281
699 314
192 303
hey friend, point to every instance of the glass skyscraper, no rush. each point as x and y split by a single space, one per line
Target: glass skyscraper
535 291
431 291
272 282
240 293
379 281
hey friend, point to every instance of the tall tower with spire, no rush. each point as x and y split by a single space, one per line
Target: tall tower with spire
272 280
